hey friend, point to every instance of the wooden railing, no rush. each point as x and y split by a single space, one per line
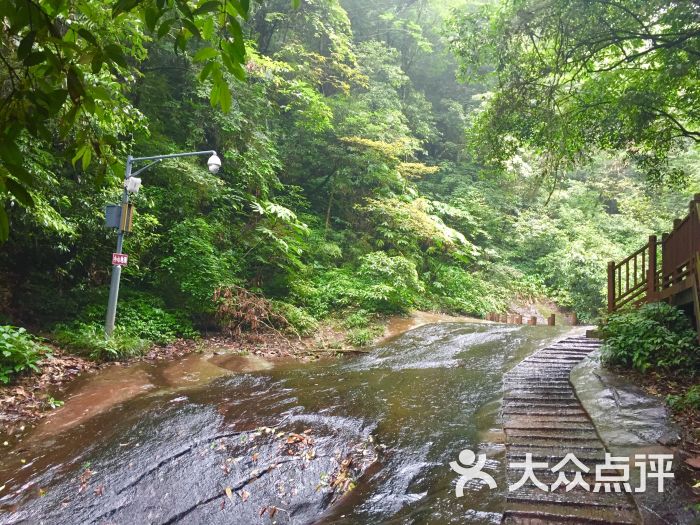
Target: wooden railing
650 274
630 281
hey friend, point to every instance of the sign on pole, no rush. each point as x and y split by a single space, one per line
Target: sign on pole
119 259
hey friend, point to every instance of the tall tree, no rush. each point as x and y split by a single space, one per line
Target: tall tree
570 76
65 67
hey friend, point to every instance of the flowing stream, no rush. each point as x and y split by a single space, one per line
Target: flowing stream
154 442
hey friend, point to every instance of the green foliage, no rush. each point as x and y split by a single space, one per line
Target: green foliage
89 339
570 77
655 336
19 352
381 283
65 65
194 265
346 186
690 400
362 337
462 292
142 320
53 402
299 319
358 319
146 317
393 284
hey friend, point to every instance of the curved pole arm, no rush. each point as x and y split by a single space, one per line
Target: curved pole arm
145 168
174 155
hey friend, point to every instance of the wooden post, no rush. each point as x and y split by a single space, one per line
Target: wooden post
651 276
518 319
550 320
504 318
574 319
696 291
533 320
611 286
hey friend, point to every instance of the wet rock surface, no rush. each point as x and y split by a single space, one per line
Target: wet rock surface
184 464
388 422
632 422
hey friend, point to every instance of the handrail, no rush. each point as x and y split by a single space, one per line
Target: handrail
643 276
642 250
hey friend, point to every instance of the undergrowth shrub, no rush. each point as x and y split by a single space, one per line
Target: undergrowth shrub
19 352
142 320
381 284
239 310
197 266
302 321
359 319
459 291
89 339
393 284
690 400
146 317
362 336
654 336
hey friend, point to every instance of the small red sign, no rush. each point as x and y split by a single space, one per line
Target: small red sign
120 259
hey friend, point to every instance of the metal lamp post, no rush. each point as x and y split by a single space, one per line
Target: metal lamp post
131 185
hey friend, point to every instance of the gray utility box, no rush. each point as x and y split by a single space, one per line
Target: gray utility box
113 215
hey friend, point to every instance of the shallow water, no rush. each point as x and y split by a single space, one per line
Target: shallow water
421 397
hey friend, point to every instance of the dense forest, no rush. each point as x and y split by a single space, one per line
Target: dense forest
378 157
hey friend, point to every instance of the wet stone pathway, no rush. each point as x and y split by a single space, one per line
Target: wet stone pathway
543 417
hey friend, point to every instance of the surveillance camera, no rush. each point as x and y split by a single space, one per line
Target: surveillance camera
214 163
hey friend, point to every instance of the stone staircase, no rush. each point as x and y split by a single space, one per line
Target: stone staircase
543 417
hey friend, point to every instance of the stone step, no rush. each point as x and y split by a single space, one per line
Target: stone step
534 402
543 389
543 417
550 397
552 455
543 412
571 444
565 435
541 421
577 497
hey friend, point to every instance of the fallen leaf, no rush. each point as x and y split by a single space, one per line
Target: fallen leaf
229 493
272 512
84 478
694 462
244 494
